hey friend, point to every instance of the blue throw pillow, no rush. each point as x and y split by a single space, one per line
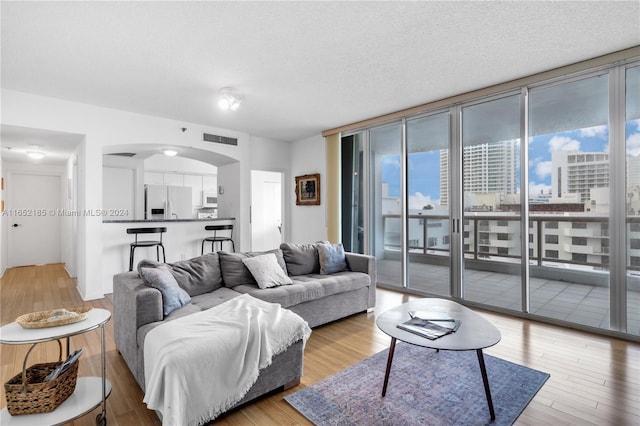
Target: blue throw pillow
332 258
160 277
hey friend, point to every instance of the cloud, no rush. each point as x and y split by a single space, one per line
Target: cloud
563 143
418 200
538 188
633 145
596 131
543 169
391 161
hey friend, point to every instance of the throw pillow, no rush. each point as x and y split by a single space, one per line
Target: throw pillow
266 271
332 258
234 272
301 259
160 277
196 276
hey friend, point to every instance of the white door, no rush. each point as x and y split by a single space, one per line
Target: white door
33 219
266 210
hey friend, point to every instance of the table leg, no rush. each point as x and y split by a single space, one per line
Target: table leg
485 380
392 347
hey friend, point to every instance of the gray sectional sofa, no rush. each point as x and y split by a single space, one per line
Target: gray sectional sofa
214 278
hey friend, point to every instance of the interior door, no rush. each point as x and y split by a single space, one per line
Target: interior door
266 210
34 219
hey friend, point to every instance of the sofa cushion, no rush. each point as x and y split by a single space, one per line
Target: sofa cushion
234 272
196 276
266 271
308 287
160 277
301 259
332 258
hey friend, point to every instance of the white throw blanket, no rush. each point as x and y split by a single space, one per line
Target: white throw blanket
200 365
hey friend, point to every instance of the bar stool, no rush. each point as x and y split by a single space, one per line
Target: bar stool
219 238
149 243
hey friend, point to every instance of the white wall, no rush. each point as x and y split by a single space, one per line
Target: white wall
275 156
308 223
104 127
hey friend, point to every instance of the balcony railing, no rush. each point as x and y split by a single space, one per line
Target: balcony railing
432 238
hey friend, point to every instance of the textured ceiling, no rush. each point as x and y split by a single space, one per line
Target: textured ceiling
302 67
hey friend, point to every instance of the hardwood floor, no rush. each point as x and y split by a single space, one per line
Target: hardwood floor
594 379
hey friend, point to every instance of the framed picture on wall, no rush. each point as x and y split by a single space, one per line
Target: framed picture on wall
308 190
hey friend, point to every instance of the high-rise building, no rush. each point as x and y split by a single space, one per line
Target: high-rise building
575 172
487 168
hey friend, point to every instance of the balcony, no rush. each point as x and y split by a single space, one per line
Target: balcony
560 288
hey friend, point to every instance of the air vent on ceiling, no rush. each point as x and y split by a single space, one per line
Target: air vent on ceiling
123 154
208 137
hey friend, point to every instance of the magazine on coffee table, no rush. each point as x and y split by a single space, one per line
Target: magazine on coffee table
430 324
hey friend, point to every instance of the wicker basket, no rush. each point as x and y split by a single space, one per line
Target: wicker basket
41 319
28 393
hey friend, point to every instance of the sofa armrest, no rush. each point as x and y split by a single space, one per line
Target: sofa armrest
367 264
134 305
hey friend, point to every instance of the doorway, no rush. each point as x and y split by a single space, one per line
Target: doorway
33 219
266 210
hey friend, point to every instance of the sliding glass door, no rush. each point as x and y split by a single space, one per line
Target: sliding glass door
569 177
428 236
527 200
491 202
386 188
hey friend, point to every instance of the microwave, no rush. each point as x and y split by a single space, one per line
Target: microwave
209 199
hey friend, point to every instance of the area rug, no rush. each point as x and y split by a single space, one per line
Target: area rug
425 388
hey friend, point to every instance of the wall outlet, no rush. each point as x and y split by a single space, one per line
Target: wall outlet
182 256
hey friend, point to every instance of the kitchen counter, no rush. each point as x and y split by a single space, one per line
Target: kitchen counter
183 240
167 220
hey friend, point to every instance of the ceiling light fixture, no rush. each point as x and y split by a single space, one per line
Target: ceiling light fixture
229 100
170 152
35 155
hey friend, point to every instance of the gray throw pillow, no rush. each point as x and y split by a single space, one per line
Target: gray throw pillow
301 259
234 272
160 277
266 271
196 276
332 258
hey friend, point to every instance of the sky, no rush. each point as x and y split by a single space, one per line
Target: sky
424 167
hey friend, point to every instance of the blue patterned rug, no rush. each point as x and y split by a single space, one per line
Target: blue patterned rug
425 388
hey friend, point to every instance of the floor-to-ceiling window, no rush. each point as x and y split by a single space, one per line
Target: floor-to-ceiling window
632 136
569 177
542 225
428 236
385 188
491 202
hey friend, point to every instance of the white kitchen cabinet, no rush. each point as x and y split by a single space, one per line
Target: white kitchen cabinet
210 183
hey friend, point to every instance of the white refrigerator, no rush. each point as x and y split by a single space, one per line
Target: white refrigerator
168 202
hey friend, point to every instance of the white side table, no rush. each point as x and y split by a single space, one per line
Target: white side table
90 392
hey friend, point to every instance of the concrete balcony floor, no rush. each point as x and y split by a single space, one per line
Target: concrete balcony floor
574 302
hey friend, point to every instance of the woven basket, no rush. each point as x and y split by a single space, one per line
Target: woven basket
28 393
40 319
